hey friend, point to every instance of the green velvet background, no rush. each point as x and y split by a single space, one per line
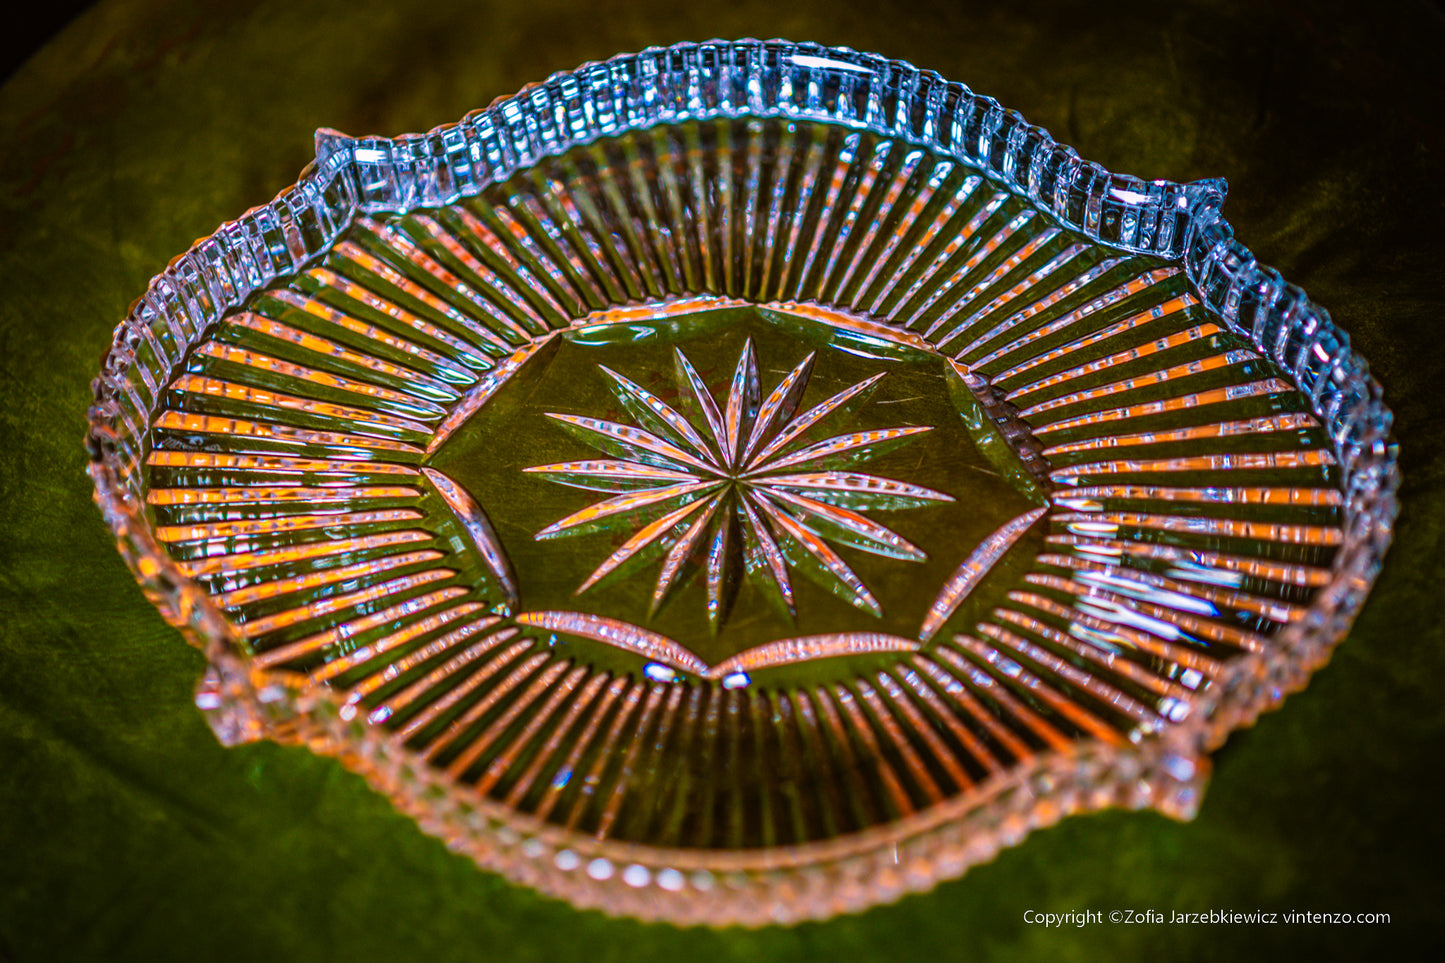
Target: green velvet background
126 832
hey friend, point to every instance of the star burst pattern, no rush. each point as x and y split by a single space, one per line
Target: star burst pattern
737 489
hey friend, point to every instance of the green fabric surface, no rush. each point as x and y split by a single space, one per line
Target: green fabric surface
127 832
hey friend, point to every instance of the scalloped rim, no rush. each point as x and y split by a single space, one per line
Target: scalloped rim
1178 222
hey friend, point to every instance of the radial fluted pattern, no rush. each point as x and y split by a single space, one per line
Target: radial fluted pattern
1189 504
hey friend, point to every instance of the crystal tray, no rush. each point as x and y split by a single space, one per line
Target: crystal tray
742 482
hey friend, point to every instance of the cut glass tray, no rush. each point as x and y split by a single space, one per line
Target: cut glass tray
742 482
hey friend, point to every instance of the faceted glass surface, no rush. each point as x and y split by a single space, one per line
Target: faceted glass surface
806 523
742 482
500 476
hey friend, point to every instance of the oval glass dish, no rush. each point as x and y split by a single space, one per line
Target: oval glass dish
742 482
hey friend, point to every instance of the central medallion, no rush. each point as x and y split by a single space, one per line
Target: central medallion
725 491
735 490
